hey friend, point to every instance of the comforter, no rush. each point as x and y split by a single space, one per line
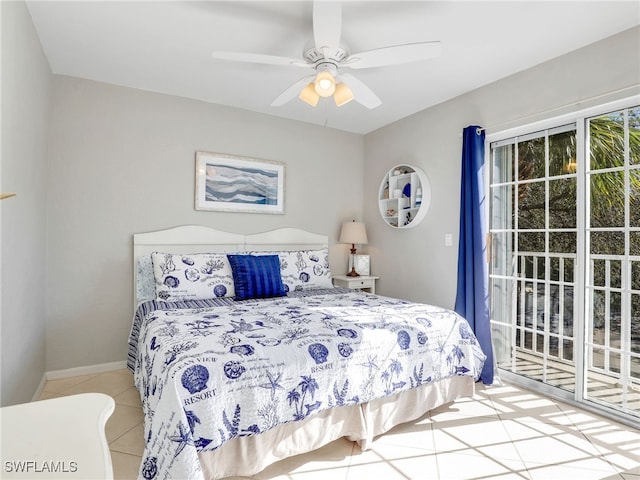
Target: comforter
212 370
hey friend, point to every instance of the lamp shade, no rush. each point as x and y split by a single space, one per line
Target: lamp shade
309 95
325 84
342 95
353 232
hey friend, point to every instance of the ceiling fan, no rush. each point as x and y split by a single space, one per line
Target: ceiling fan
328 58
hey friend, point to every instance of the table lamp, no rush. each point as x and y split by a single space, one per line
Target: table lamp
353 232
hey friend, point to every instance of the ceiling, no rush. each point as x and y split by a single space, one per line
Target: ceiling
166 46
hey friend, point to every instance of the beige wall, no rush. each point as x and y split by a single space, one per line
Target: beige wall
26 88
122 161
415 264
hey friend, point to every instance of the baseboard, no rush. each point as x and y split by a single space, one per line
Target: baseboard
43 381
86 370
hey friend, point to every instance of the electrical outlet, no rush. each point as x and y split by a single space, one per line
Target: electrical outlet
448 240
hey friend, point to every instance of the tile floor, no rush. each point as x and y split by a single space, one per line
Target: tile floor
502 432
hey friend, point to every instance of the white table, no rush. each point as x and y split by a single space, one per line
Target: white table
57 438
362 282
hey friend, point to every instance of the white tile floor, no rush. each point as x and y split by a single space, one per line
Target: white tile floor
502 432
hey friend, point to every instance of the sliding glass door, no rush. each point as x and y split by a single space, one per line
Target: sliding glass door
612 340
565 258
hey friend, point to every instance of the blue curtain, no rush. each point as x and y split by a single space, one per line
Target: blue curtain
472 297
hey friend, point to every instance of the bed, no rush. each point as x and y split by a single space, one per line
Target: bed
239 365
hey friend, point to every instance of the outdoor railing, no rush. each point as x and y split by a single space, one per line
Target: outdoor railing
545 304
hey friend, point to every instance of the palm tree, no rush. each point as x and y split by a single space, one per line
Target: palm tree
607 150
606 185
607 200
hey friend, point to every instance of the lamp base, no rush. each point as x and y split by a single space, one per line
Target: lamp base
353 273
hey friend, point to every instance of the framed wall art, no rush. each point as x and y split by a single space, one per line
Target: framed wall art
238 184
361 263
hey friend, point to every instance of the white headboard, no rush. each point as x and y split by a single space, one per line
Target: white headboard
200 239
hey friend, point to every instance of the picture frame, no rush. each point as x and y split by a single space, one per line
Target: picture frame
361 264
229 183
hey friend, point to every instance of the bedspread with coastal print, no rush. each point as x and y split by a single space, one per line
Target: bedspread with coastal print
208 372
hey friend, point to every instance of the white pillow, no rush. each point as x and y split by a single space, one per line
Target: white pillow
145 283
196 276
304 269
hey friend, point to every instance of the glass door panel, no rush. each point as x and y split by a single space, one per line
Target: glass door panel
612 351
533 226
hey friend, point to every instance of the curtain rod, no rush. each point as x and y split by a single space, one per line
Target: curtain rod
551 110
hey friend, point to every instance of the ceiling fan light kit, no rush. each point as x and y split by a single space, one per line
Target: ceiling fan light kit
325 84
342 95
327 56
309 94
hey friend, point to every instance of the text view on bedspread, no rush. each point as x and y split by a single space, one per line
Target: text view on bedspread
212 371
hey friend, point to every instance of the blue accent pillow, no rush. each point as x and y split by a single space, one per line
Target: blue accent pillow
256 276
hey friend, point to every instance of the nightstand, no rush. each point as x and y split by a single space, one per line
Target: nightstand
362 282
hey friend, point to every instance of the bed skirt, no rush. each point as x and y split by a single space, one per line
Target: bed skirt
246 456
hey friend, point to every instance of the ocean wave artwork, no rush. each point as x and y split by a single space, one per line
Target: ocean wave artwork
238 184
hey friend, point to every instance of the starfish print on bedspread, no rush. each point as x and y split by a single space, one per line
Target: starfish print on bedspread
273 383
202 327
183 438
242 326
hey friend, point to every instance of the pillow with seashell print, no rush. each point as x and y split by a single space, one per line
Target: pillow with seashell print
197 276
304 269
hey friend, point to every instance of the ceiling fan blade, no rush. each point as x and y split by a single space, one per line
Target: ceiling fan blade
292 92
395 55
361 93
259 58
327 26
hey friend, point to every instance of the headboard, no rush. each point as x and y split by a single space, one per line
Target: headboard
201 239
